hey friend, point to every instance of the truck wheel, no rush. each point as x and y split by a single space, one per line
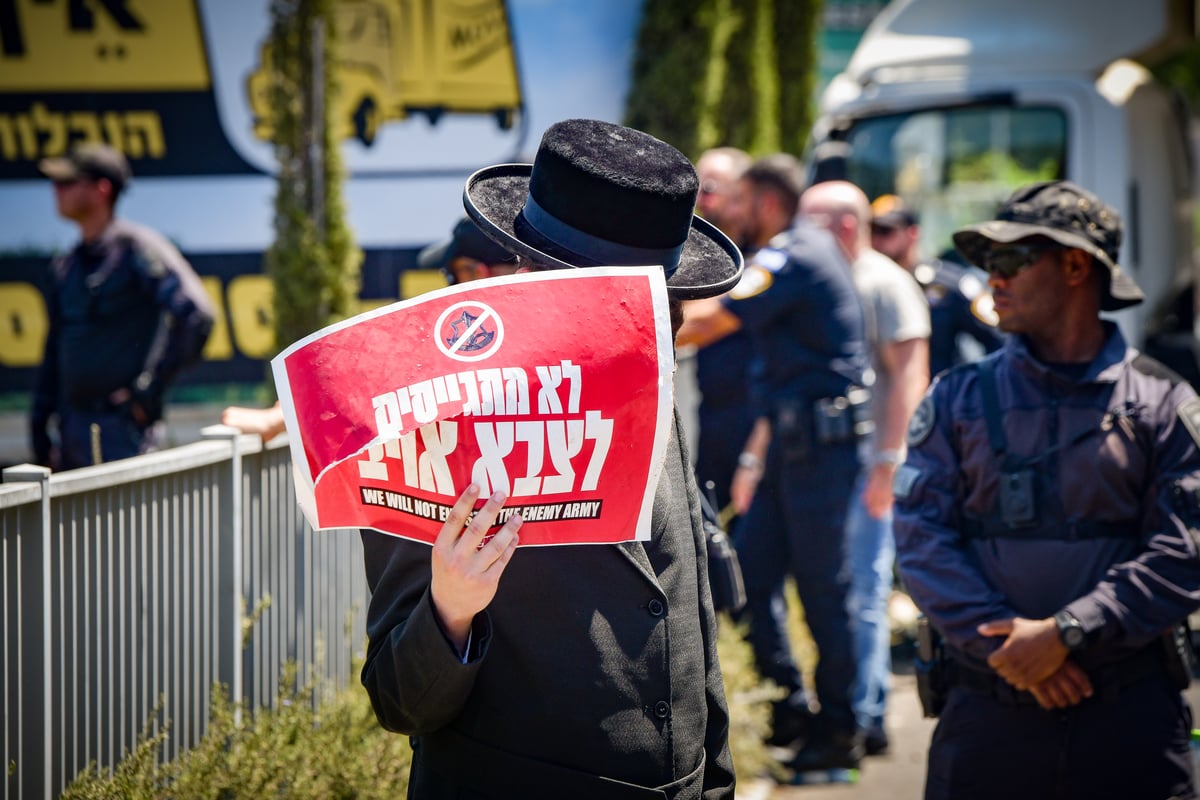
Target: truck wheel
504 118
366 121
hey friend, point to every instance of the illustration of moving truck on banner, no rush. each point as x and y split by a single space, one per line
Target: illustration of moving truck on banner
404 57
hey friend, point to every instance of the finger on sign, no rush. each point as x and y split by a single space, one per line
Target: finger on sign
503 545
457 517
481 523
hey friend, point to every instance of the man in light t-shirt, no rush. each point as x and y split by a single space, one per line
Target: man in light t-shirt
898 328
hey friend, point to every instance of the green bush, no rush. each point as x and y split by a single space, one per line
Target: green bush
336 750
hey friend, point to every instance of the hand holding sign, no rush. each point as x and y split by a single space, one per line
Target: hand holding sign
466 565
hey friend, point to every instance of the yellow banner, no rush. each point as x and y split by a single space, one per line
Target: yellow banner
113 45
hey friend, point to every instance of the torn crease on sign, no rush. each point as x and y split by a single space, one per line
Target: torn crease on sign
578 374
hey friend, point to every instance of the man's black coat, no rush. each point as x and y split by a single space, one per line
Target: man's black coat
593 673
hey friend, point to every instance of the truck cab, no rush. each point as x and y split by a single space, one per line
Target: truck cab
952 105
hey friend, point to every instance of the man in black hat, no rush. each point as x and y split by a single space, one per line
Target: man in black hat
581 672
126 314
1046 522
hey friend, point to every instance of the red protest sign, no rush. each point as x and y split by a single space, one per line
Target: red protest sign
553 387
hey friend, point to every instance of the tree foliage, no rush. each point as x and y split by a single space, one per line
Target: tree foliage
726 72
313 262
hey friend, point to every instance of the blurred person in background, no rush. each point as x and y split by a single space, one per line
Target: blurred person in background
962 318
897 325
719 170
127 314
795 473
762 202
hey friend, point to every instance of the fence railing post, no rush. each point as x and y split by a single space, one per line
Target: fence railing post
231 603
32 473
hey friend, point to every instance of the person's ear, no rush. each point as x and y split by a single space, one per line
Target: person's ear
1077 267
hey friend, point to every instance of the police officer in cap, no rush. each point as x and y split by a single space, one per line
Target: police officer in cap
1047 523
960 306
467 255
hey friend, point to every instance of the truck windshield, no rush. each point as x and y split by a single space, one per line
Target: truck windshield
954 166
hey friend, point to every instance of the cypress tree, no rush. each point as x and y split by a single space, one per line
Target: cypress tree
726 72
313 262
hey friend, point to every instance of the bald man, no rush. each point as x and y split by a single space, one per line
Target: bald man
897 327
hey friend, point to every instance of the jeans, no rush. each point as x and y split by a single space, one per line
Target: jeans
871 555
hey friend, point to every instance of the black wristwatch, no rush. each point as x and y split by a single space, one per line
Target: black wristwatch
1070 631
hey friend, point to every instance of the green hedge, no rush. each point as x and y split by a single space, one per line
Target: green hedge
339 750
726 72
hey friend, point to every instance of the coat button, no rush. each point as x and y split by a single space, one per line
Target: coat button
662 709
656 608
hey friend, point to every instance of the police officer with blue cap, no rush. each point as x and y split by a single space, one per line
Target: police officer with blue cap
1047 522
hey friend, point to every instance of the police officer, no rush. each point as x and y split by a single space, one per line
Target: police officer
1047 522
127 313
796 475
960 306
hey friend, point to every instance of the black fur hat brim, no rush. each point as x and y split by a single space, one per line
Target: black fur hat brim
709 265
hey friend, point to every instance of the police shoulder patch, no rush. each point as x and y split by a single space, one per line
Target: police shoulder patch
921 424
1189 415
770 259
755 280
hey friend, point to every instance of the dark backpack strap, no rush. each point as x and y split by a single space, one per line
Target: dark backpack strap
991 405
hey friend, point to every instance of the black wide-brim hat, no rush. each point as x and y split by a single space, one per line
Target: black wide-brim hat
1068 215
599 194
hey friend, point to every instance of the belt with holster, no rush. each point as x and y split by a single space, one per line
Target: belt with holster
798 424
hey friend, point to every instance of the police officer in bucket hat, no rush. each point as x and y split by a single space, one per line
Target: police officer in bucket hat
1047 521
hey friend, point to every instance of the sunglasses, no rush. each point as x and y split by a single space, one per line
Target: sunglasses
1009 260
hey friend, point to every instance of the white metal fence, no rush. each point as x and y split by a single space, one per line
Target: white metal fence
149 580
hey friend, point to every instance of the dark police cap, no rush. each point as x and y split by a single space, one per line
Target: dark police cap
92 160
1066 214
467 241
889 211
600 194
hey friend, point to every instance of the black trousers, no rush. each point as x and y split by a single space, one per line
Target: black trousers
797 525
1127 744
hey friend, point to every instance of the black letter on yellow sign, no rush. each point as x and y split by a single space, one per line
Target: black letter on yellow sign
83 19
79 15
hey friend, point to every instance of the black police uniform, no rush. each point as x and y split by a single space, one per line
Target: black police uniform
126 313
726 413
799 304
959 308
1080 496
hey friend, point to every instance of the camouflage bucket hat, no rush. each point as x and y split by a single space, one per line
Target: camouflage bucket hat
1064 213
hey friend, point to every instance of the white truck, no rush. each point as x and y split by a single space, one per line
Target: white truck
951 105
